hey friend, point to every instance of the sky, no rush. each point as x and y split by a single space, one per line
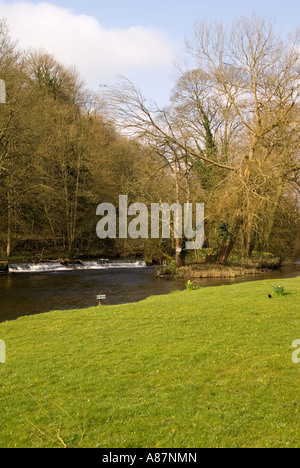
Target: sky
139 39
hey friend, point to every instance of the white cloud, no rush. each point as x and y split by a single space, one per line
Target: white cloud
98 53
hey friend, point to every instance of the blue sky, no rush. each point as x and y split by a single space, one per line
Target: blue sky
177 16
139 39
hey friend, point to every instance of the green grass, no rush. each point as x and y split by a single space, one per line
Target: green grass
205 368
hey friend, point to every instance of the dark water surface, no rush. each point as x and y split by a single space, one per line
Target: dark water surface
29 294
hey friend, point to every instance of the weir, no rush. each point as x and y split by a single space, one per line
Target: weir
53 267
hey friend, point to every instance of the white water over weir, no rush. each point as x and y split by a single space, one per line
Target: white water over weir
48 267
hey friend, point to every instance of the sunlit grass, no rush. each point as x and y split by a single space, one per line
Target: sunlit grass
210 367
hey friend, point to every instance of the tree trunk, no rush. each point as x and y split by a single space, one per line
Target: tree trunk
226 249
9 218
272 217
8 243
179 258
178 242
250 240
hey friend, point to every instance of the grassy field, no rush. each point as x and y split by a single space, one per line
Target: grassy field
205 368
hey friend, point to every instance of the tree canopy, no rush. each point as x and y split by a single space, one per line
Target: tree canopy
229 139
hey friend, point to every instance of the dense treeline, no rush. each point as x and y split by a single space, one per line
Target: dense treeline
60 157
230 139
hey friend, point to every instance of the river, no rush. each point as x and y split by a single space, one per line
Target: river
33 293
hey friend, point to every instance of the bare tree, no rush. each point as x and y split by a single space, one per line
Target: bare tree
233 115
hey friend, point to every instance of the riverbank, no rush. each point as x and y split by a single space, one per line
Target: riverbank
210 367
40 291
209 271
56 255
197 270
3 267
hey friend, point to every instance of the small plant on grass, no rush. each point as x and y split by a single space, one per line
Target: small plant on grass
279 290
190 286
